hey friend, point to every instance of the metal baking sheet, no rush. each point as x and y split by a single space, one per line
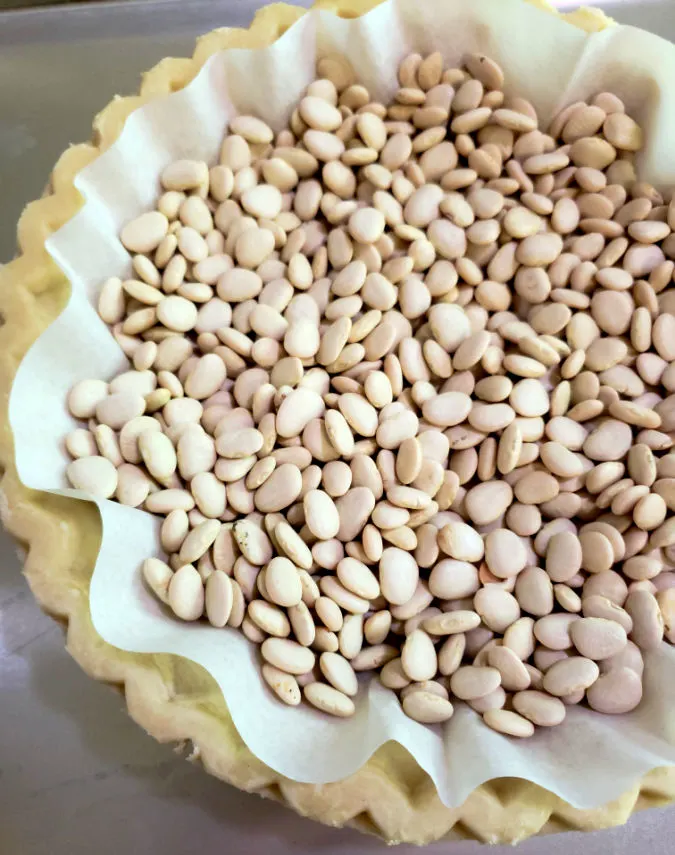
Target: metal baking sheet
76 774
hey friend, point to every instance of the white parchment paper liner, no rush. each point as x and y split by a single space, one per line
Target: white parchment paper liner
590 759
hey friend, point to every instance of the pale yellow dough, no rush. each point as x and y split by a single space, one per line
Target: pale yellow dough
173 699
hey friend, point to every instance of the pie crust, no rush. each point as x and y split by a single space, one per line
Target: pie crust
173 699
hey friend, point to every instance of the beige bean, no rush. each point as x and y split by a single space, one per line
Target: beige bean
418 656
254 544
166 501
539 708
427 707
617 691
597 638
535 488
453 580
648 625
319 114
321 515
184 175
302 624
461 541
351 636
359 413
336 478
492 701
598 606
486 502
377 627
284 685
339 673
534 591
371 658
293 545
133 485
195 452
504 553
297 410
471 682
199 540
447 409
553 630
158 454
81 443
238 612
497 607
354 509
186 593
514 675
509 723
117 409
398 575
158 575
357 578
567 599
218 598
94 475
282 582
240 444
560 461
650 512
519 637
630 657
339 432
85 396
111 301
395 430
570 675
280 490
610 441
563 556
145 232
597 554
271 619
509 448
451 623
392 675
329 613
347 600
288 656
451 653
329 700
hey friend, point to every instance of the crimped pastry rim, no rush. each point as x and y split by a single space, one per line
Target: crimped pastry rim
170 697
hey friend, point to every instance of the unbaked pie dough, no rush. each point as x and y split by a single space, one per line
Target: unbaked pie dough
174 699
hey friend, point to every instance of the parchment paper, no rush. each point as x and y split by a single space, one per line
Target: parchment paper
590 759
